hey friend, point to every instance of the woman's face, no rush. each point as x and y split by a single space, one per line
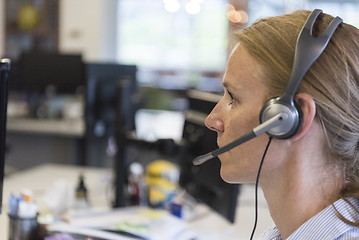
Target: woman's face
236 114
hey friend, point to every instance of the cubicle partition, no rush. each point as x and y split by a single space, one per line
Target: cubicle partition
4 72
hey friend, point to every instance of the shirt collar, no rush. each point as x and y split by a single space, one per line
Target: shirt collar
325 225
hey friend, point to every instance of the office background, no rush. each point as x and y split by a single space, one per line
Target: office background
160 48
173 46
176 45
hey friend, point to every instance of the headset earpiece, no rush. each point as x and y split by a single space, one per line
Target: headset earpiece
290 126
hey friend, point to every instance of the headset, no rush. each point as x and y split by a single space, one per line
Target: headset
280 117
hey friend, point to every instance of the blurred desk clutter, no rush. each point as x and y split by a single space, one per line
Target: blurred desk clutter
52 188
70 106
98 163
152 191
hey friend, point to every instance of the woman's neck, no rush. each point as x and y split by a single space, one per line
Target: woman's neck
296 192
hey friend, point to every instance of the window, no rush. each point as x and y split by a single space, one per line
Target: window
152 37
346 9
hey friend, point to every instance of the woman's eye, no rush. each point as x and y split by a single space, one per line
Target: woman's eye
231 98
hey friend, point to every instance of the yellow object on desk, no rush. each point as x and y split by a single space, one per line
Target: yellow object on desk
162 181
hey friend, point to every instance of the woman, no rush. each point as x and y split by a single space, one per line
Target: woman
310 181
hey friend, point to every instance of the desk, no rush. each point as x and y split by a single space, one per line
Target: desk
69 128
35 141
41 178
210 227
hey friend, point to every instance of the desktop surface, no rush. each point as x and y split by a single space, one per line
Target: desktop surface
208 224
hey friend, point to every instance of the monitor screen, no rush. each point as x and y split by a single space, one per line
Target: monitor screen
152 125
4 72
38 70
110 109
103 83
203 182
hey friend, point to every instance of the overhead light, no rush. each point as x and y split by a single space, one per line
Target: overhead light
244 16
172 5
236 16
193 7
198 1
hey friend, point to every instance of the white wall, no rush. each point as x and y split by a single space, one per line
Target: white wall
88 27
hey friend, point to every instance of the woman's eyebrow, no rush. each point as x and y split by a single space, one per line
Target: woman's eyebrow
229 86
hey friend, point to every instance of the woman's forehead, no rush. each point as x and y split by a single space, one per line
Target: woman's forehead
241 63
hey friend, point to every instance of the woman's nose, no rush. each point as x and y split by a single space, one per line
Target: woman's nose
213 121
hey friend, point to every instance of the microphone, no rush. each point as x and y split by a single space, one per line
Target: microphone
272 122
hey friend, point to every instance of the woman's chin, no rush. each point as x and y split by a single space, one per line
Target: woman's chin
232 176
229 177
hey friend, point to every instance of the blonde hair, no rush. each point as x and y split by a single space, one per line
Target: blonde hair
333 82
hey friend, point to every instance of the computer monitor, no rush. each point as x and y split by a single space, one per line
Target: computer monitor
39 70
4 72
203 182
110 89
103 83
110 106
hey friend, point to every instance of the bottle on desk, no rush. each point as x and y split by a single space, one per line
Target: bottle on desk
137 189
81 197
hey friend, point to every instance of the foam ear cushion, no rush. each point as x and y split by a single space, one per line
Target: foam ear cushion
289 126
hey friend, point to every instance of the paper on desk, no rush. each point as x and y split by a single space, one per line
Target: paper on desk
70 230
149 223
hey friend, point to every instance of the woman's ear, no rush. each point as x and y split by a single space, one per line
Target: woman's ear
307 106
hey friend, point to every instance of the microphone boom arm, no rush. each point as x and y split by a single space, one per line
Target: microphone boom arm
262 128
